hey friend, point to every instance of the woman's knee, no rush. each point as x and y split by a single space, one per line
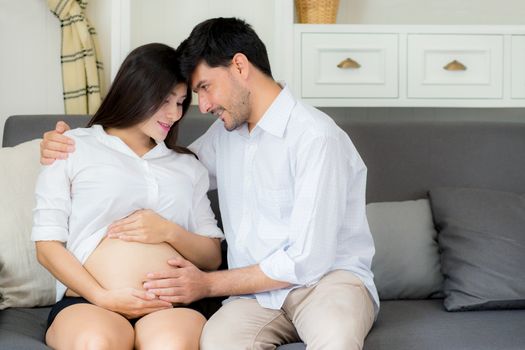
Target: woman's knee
94 339
170 329
84 326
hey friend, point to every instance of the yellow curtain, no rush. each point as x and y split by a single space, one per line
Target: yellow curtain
81 71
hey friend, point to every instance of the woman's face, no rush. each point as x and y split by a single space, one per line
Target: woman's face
158 125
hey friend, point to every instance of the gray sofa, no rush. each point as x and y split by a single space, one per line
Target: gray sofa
404 160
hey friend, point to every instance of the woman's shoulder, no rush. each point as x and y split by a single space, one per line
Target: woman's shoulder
80 133
85 138
189 160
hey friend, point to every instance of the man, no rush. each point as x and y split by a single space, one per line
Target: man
292 199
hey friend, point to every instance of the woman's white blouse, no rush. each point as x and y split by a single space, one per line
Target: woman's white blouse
104 180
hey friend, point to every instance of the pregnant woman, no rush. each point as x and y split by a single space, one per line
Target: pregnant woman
127 200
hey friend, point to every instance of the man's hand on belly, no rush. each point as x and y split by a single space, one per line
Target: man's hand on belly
184 283
132 303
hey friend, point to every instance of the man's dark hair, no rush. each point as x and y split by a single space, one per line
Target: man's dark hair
146 77
215 42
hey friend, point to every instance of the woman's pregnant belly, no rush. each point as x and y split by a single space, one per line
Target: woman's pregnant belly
118 264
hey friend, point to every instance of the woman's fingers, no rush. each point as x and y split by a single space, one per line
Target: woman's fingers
124 228
124 221
131 236
143 294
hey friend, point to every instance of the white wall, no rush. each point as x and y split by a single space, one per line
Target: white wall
29 59
31 81
30 40
432 11
170 21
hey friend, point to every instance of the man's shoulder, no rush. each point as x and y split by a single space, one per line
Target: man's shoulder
311 122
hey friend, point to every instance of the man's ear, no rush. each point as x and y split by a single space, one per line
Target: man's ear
241 65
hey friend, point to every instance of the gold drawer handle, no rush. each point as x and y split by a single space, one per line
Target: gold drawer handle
348 64
455 66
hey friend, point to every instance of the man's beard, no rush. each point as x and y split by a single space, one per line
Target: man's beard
240 109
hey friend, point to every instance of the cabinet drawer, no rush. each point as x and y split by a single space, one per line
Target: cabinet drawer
337 65
455 66
518 66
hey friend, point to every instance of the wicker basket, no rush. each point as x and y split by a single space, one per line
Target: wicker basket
317 11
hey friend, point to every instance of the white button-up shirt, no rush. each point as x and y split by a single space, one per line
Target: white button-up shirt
292 197
104 180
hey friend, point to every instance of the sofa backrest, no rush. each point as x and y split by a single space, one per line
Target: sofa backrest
404 159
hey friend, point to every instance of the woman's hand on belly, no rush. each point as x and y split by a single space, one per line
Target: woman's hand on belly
132 303
145 226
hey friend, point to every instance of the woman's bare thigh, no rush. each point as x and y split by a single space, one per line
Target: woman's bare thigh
178 328
83 326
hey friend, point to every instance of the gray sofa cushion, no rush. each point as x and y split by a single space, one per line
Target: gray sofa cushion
424 324
406 263
482 238
23 328
401 325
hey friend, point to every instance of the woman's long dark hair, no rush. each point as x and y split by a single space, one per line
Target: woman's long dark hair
145 78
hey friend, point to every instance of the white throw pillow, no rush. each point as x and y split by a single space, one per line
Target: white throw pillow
23 281
406 263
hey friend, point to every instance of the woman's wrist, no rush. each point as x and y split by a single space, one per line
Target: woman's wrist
171 232
99 297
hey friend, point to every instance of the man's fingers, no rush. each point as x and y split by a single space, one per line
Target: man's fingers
179 262
161 282
165 274
60 143
47 161
53 154
62 127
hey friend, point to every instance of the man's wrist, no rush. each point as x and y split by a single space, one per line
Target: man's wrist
210 285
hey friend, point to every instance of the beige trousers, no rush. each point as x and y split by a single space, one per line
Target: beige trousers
334 314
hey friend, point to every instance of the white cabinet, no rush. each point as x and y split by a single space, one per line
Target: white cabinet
432 66
518 66
349 65
368 65
454 66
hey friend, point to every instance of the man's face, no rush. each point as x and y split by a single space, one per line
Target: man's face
221 93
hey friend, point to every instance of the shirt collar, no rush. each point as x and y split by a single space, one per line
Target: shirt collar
117 144
275 119
158 151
